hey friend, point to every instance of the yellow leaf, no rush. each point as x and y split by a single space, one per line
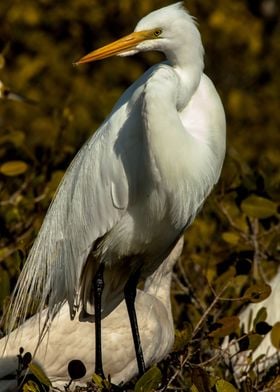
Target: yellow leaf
275 335
254 341
15 137
150 381
235 101
231 238
226 326
224 386
13 168
260 316
258 207
257 292
217 19
97 380
30 386
39 374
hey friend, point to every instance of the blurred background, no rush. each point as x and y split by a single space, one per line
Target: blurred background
237 233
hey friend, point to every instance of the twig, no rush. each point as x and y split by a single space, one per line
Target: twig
208 310
192 294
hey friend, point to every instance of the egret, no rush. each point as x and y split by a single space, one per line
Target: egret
270 353
68 339
136 184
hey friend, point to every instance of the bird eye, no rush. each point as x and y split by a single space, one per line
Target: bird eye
157 33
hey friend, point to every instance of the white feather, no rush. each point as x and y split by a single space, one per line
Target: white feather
136 184
74 339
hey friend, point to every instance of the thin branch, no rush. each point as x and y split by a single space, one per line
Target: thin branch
208 310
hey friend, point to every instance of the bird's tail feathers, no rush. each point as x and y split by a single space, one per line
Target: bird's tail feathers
40 281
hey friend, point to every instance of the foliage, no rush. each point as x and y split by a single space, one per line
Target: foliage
30 376
232 245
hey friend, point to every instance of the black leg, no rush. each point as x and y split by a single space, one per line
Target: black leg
98 289
130 294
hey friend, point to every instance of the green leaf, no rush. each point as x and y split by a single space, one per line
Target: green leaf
258 207
150 381
260 316
258 292
39 374
254 341
13 168
275 335
224 386
194 388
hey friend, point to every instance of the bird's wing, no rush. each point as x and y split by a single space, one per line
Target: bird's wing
92 197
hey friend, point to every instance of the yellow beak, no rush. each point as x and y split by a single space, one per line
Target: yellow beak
122 45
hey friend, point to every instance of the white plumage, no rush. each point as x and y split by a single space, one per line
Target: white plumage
273 316
138 182
242 361
73 339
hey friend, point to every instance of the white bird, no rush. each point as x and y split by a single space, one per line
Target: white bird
243 360
136 185
69 339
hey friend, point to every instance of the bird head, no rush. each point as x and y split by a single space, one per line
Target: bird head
163 30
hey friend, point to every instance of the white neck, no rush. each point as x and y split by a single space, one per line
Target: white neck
167 92
189 65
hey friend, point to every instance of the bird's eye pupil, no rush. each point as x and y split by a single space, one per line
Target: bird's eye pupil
157 33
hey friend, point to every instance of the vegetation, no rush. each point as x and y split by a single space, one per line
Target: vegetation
232 245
